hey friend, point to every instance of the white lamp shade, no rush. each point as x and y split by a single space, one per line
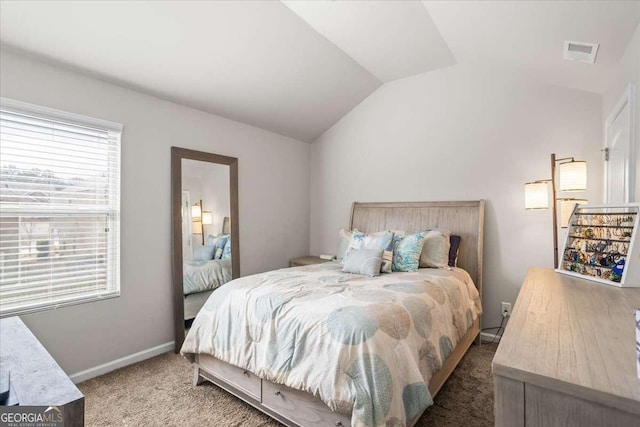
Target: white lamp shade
573 176
536 195
207 218
196 211
196 227
566 209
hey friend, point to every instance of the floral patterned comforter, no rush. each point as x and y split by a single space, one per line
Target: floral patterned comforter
363 345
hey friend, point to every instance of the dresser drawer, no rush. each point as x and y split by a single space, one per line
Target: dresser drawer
241 379
300 407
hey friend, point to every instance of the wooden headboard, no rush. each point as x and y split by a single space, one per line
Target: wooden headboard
465 219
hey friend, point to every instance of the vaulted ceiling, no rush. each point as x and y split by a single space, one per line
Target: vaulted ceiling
297 67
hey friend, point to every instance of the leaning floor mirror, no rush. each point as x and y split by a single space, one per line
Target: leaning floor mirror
204 209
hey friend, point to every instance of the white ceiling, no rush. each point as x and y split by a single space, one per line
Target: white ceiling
530 35
255 62
297 69
391 39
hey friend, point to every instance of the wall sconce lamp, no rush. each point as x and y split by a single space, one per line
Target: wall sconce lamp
572 177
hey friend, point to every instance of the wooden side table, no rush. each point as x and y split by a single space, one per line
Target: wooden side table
307 260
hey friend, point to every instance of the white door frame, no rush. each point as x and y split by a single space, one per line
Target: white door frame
626 98
186 223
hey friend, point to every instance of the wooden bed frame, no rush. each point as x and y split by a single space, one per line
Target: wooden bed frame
297 408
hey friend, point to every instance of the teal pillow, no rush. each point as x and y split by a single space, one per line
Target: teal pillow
406 252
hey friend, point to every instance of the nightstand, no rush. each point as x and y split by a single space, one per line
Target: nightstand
307 260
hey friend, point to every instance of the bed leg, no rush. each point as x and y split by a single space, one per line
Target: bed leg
197 379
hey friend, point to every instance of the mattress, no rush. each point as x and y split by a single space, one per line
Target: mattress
366 346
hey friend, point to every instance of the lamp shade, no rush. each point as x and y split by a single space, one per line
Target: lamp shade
196 211
573 176
536 195
566 209
207 218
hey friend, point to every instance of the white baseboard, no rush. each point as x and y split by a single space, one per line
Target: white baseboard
486 337
96 371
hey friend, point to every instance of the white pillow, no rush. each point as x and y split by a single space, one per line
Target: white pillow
435 250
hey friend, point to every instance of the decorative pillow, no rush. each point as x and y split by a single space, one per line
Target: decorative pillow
406 252
343 243
364 261
453 251
435 250
382 240
204 253
226 253
218 242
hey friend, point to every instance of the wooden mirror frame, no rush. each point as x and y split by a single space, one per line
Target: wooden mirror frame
177 154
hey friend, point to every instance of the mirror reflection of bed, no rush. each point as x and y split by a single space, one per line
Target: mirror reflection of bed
205 230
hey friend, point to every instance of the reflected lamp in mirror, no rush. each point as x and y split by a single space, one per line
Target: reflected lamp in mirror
207 218
196 212
566 209
536 195
572 176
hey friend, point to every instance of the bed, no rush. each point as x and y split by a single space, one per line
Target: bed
312 346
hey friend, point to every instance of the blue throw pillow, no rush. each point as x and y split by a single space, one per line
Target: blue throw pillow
226 253
204 253
219 243
406 252
382 240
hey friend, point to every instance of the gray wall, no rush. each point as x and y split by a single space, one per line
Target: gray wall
460 133
274 206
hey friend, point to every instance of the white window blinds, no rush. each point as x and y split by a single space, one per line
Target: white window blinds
59 208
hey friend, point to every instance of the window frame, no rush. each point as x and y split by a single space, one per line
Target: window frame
113 272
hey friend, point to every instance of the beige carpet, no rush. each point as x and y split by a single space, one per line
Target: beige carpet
158 392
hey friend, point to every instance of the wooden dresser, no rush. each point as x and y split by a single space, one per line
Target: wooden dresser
568 357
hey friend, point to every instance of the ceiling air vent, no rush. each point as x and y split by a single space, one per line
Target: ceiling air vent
581 52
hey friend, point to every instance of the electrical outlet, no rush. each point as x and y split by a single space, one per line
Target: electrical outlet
506 309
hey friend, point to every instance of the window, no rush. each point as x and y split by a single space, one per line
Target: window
59 208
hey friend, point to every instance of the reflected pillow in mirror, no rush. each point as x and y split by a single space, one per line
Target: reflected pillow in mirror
204 253
364 261
226 253
218 242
